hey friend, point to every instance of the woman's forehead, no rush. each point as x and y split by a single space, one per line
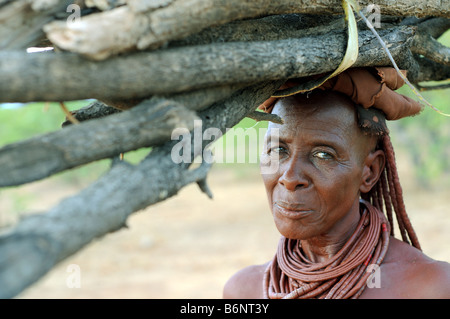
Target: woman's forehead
323 113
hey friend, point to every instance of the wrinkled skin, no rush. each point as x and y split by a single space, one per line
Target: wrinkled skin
314 195
324 162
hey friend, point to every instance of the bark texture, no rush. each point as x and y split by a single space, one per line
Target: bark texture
56 77
149 124
129 30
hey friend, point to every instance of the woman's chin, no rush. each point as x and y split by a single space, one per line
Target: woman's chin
288 230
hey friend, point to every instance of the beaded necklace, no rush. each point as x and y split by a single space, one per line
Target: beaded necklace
291 275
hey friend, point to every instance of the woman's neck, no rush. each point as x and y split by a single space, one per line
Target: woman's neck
320 248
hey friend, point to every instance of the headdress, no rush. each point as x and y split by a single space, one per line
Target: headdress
370 88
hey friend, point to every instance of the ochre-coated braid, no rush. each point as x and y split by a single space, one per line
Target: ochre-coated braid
403 216
387 200
389 191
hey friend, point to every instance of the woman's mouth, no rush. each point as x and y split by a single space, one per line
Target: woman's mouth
292 211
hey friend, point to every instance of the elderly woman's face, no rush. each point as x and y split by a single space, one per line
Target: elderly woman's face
319 157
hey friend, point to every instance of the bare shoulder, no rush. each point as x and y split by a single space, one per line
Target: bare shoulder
247 283
411 274
438 280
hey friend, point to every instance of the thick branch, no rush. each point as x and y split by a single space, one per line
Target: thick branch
128 30
149 124
261 116
269 28
55 77
195 100
38 242
430 71
429 47
434 27
94 110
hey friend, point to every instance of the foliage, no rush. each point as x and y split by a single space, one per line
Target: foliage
426 137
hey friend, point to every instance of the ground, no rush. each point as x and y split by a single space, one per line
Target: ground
188 246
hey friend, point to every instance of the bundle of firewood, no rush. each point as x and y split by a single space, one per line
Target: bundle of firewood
154 66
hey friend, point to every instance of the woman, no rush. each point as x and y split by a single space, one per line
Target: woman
336 175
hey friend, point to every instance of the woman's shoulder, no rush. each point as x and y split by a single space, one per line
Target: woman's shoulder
419 275
247 283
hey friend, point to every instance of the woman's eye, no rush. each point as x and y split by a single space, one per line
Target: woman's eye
277 150
323 155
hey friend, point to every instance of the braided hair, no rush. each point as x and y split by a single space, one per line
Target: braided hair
386 194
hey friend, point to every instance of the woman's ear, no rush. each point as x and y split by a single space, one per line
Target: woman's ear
373 167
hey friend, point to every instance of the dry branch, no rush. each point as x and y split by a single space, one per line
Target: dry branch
38 242
425 42
94 110
434 27
195 101
430 70
262 116
148 124
429 47
128 30
56 77
269 28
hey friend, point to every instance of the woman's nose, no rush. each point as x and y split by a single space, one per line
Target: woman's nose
293 176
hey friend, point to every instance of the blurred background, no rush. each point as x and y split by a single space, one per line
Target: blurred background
189 245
